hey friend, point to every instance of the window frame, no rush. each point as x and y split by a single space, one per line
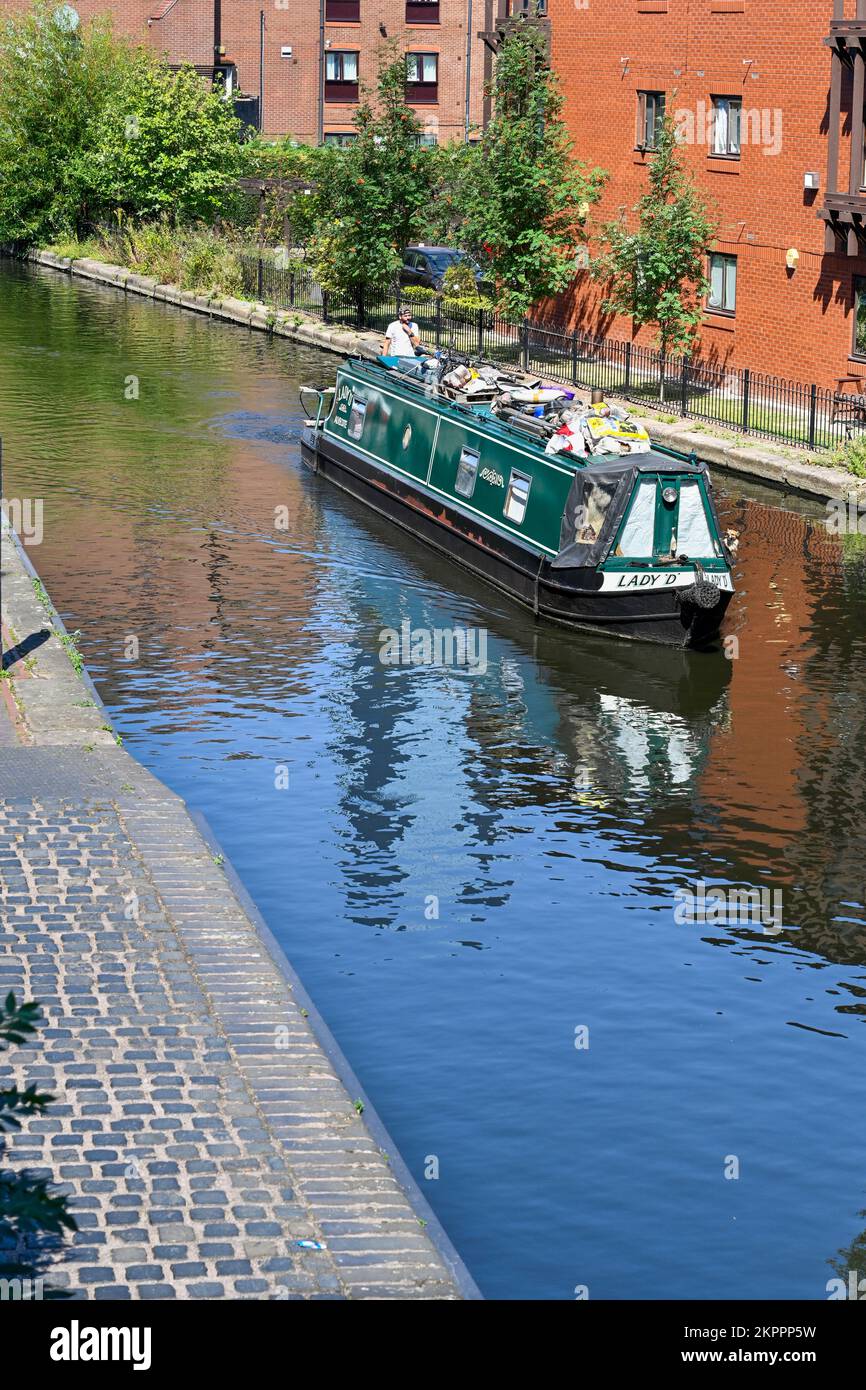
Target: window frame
359 404
733 103
421 91
729 260
339 138
515 475
342 90
420 6
467 454
659 107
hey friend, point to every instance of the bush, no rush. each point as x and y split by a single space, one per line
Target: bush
852 455
459 282
193 257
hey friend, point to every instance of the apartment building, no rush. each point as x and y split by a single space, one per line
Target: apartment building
769 99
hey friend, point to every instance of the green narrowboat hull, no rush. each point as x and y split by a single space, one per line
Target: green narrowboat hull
405 451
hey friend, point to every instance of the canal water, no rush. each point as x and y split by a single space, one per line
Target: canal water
483 877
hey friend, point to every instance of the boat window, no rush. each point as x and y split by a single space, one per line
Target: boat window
637 537
517 496
467 471
356 417
694 537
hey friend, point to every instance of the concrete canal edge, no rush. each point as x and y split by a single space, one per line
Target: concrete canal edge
213 1138
740 456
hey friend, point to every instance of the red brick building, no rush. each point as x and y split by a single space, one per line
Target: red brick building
769 96
310 59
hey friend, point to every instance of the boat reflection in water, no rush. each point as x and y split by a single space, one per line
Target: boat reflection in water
550 720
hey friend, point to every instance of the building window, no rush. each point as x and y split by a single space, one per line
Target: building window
427 138
858 348
341 76
341 11
517 496
530 8
340 137
467 471
726 126
650 115
422 11
422 77
722 298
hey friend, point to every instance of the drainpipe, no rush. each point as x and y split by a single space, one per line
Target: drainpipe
468 72
261 71
321 122
217 30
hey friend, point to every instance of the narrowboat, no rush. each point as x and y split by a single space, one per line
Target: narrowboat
623 542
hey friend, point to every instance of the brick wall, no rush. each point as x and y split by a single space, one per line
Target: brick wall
769 53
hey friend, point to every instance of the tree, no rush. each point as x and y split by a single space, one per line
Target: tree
90 124
29 1210
526 209
656 273
376 190
52 83
163 141
455 173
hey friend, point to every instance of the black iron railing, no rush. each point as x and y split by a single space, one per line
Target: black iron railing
755 403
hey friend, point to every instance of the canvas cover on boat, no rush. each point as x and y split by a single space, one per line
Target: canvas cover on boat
597 501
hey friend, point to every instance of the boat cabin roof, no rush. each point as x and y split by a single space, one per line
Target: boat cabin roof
659 457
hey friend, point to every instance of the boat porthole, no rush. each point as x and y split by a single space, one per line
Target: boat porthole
407 435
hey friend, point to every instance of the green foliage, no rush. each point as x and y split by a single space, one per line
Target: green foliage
376 188
52 86
90 124
193 257
525 200
852 456
656 273
455 172
162 142
459 282
29 1210
289 215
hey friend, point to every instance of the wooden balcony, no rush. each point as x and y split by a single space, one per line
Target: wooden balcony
843 210
844 218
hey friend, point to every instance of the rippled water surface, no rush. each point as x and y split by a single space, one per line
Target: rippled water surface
552 806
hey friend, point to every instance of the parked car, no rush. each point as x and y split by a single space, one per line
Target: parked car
426 265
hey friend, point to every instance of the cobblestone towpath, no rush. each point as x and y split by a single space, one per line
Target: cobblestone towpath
205 1126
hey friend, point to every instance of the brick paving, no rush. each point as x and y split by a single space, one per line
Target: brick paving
200 1127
